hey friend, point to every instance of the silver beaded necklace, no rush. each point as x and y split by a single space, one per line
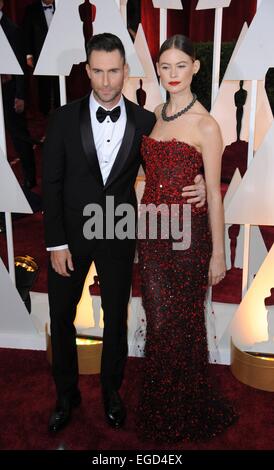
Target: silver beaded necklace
183 111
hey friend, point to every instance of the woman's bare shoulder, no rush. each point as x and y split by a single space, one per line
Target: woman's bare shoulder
207 124
209 132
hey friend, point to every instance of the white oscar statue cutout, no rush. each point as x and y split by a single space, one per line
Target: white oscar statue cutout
8 65
168 4
252 202
16 327
8 61
250 323
255 54
64 45
208 4
225 101
12 198
148 86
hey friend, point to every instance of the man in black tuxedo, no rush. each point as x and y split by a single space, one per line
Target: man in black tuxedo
38 16
91 153
14 103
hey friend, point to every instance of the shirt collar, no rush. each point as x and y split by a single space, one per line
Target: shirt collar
45 5
94 105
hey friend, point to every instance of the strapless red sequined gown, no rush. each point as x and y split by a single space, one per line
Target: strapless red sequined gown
178 399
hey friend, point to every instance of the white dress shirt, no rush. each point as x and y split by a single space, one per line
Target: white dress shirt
108 137
49 12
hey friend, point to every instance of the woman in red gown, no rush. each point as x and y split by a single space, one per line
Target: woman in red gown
178 397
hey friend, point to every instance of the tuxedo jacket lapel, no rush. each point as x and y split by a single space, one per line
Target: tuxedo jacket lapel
89 145
125 147
88 140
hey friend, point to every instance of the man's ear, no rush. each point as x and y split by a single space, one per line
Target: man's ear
88 70
126 70
196 66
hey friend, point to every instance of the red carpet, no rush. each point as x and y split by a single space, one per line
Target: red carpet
27 397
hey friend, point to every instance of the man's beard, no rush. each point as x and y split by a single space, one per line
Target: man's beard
108 100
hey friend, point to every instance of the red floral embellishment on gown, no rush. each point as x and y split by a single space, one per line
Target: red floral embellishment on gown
179 398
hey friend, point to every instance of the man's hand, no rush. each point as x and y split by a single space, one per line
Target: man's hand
19 105
196 192
61 261
30 61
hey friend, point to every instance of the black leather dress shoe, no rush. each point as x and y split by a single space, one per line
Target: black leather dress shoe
114 408
62 413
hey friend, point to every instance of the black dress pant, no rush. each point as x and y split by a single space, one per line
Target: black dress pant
48 93
16 125
115 277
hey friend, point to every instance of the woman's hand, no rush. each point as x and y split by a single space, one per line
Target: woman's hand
217 269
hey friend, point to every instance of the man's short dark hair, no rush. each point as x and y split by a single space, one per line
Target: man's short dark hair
105 42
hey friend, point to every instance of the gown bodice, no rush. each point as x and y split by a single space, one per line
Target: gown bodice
170 165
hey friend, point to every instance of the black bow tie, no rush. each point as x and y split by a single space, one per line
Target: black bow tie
49 7
114 115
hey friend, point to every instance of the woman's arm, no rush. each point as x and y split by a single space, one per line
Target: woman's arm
212 149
